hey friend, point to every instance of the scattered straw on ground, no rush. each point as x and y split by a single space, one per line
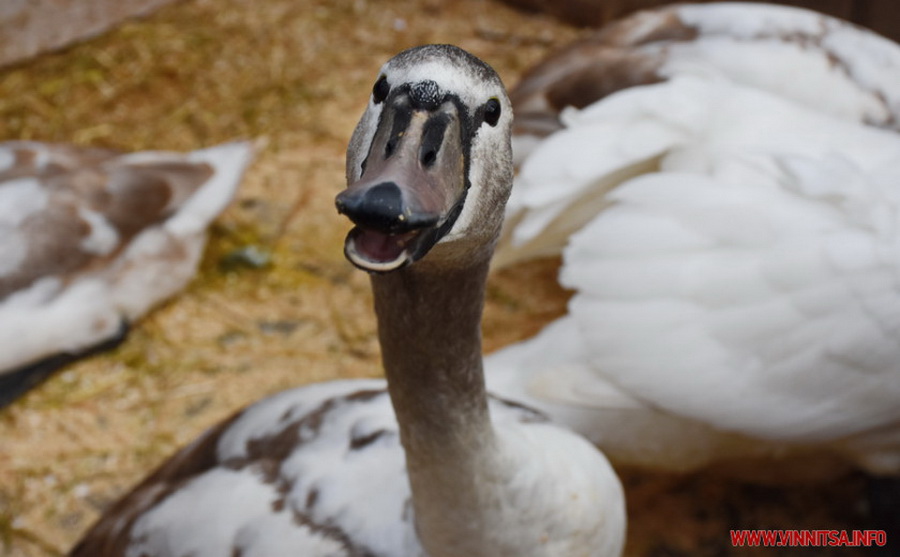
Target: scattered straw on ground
296 73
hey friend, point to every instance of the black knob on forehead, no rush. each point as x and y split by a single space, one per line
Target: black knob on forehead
425 95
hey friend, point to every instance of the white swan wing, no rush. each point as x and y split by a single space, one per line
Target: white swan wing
735 271
554 367
814 59
563 183
553 372
751 282
798 55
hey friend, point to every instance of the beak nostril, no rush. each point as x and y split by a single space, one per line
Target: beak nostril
432 139
390 147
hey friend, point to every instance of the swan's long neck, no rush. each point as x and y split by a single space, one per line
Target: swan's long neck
429 323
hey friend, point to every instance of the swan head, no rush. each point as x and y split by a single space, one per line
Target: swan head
429 166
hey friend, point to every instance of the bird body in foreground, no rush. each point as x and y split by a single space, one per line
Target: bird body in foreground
730 226
93 239
318 470
425 463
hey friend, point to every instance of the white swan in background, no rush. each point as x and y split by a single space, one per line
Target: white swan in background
321 470
90 240
726 200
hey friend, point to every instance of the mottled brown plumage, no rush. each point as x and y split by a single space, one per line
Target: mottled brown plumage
90 239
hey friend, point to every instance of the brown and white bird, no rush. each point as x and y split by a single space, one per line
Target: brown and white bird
92 239
425 463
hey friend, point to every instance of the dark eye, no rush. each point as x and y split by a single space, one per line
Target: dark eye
492 112
380 90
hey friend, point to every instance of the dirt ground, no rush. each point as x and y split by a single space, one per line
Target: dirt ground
275 304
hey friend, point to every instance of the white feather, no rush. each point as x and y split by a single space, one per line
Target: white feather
742 283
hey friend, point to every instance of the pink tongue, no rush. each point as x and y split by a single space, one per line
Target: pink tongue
381 248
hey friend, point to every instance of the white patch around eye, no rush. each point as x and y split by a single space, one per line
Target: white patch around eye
7 160
12 250
103 238
19 199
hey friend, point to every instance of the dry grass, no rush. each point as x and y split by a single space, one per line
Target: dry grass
296 72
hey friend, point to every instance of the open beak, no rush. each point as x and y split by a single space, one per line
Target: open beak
411 189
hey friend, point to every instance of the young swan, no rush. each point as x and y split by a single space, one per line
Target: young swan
432 466
91 240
